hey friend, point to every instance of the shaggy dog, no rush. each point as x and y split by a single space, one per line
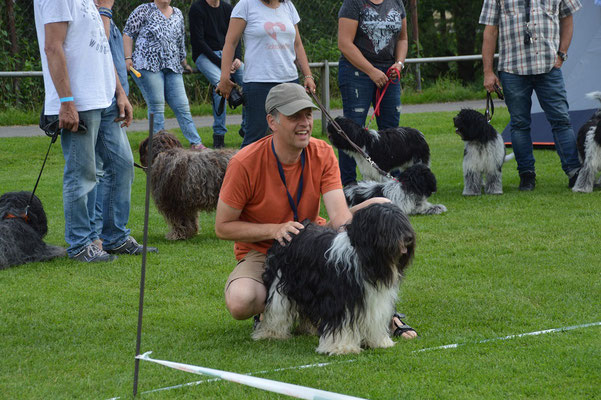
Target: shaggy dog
184 181
344 284
589 151
410 191
483 156
391 149
21 235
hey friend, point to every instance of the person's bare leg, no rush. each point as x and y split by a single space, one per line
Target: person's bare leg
245 297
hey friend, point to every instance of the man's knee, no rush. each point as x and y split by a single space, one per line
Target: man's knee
244 299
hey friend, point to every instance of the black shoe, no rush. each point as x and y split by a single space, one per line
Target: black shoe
130 246
527 181
218 141
573 180
92 253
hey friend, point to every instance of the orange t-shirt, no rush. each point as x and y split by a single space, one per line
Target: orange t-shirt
252 184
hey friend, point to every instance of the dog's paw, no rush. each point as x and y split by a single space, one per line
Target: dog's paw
470 193
337 349
261 333
381 343
436 209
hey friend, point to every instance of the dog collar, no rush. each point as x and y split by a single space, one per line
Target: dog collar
12 216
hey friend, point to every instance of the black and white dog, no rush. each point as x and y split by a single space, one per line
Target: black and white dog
483 156
589 151
409 192
21 235
345 284
391 149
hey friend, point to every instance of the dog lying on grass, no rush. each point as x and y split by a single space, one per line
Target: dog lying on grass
184 182
21 234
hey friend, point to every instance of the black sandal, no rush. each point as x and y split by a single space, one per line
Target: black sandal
400 329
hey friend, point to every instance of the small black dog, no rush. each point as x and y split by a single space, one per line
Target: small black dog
391 149
410 192
21 235
345 284
589 151
483 156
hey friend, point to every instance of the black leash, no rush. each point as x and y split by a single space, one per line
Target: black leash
357 148
490 105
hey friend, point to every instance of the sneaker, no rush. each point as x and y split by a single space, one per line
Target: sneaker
527 181
218 141
198 146
573 180
130 246
91 253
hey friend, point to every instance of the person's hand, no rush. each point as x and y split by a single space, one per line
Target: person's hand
105 3
235 65
310 84
395 71
68 118
378 77
224 87
129 64
558 62
286 230
126 111
187 69
490 80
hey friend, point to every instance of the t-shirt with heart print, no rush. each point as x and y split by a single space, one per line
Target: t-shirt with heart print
378 29
268 41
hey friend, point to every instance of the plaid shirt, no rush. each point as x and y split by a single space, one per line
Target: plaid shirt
539 56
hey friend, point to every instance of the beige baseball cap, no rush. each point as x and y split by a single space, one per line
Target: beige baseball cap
288 99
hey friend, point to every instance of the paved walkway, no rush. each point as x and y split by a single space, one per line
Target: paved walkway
171 123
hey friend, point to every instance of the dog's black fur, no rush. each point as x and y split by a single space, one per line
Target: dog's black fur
344 283
589 151
483 156
391 149
409 192
21 236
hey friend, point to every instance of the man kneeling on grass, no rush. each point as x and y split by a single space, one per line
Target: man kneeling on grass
254 206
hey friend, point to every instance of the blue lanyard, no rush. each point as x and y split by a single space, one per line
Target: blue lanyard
293 205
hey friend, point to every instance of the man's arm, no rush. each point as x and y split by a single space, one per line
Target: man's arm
566 30
229 227
489 43
56 33
338 210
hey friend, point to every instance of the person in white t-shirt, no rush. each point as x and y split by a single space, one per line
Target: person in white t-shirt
272 46
80 87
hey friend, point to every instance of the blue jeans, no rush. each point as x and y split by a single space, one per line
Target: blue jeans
358 93
213 74
551 94
156 87
256 116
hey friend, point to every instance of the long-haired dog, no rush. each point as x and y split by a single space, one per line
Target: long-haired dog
391 149
345 284
21 234
409 191
589 151
483 156
184 182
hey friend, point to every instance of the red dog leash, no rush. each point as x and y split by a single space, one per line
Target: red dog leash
393 77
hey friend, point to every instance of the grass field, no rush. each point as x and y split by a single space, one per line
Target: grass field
490 267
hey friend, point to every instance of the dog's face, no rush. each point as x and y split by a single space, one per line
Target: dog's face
419 179
161 141
349 127
471 125
12 204
382 232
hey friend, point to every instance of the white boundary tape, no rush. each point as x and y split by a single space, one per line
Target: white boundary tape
300 392
448 346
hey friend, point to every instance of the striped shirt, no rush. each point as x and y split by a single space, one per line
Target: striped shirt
539 56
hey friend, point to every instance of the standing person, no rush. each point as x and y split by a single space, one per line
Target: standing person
256 203
372 38
160 56
533 45
110 204
80 88
209 20
272 46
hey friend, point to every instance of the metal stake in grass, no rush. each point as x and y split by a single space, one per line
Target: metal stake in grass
144 248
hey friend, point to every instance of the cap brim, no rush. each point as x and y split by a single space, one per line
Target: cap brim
295 106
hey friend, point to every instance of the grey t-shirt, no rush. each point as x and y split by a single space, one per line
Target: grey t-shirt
378 30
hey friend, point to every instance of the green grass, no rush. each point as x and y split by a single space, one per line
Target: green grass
491 266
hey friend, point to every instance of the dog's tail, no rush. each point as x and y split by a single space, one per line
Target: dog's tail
594 96
509 157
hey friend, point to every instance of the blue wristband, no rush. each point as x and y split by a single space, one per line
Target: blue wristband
66 99
107 12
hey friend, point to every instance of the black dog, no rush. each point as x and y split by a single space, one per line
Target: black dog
589 151
391 149
343 283
21 235
410 192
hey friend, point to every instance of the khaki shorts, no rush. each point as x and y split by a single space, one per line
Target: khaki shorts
251 266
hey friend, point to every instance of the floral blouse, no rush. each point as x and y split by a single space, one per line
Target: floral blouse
159 41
